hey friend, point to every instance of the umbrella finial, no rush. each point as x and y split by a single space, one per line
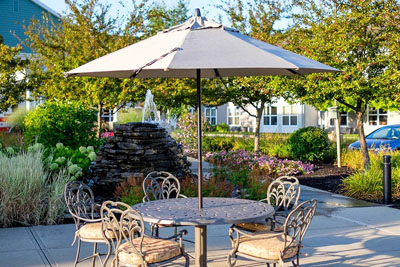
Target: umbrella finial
197 12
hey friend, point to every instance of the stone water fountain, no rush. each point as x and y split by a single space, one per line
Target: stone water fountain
136 149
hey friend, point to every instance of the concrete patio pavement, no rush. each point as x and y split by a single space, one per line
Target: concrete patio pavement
344 232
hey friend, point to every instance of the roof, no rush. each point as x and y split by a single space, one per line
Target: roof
45 7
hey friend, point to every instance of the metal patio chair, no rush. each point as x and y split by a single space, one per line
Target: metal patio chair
80 203
283 194
274 247
132 247
161 185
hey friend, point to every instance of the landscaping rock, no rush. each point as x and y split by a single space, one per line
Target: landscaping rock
135 150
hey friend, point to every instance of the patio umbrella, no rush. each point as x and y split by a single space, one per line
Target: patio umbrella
199 48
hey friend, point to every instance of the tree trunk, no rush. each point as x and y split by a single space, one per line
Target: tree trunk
99 109
361 135
257 130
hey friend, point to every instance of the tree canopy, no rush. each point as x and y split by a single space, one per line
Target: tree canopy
359 37
12 80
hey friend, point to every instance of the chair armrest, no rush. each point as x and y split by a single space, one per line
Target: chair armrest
182 196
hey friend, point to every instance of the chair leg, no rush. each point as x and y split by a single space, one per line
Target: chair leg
176 232
94 254
187 260
231 262
108 254
78 250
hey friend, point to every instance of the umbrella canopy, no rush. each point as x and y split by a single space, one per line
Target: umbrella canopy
199 48
199 44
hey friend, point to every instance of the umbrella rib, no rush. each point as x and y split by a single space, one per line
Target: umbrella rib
136 72
217 73
294 72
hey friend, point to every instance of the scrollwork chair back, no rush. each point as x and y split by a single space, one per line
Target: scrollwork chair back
121 221
79 199
297 223
161 185
284 193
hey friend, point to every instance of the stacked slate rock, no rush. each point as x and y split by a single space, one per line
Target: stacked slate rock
135 150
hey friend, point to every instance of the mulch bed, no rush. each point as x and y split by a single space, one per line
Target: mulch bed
326 177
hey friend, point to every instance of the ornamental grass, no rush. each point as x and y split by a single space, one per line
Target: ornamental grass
29 195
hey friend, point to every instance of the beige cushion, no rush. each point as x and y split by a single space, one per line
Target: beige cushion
264 226
154 250
267 246
93 231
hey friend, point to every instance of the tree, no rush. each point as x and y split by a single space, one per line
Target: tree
83 34
359 37
258 19
12 80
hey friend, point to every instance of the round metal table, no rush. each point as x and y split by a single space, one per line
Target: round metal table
184 211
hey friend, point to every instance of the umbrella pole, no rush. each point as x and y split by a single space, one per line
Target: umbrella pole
199 154
200 231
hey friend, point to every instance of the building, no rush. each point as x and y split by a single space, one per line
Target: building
282 117
16 13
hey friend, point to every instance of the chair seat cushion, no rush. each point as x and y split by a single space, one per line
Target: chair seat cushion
264 225
92 231
154 250
267 246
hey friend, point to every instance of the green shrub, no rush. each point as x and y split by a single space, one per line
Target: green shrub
222 127
214 144
76 160
309 144
53 122
30 195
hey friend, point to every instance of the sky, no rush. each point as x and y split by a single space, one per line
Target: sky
206 6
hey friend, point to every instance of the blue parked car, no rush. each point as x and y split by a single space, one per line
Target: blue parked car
387 137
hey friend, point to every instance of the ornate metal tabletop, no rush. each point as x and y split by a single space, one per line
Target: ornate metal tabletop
184 211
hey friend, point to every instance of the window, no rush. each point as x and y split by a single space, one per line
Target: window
270 115
377 116
343 120
107 115
234 116
211 115
289 116
16 5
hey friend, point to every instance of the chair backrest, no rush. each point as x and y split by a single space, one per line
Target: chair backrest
297 223
283 193
79 199
123 224
161 185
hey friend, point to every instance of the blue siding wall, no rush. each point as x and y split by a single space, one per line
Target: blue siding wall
14 14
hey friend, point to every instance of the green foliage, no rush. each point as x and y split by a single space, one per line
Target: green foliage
12 85
222 127
213 144
129 115
30 195
77 161
368 184
309 144
358 37
85 32
54 122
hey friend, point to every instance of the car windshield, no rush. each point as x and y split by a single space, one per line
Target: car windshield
392 133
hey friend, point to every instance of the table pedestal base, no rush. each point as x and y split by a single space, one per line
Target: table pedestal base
200 249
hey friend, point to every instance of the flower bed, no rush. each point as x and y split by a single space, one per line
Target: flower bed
271 166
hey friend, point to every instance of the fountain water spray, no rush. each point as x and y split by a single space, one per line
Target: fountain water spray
150 113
